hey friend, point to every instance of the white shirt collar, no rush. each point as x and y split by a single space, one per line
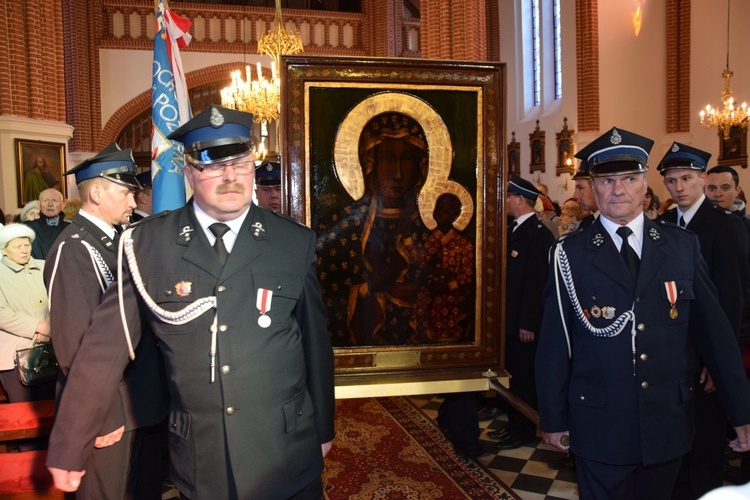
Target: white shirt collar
520 220
106 228
230 237
635 239
688 214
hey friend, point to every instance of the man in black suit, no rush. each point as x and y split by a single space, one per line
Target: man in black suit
528 247
583 194
231 292
628 309
724 246
80 266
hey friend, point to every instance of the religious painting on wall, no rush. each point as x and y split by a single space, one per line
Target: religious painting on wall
733 148
514 156
565 150
39 166
536 144
396 167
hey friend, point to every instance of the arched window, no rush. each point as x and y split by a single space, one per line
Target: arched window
540 59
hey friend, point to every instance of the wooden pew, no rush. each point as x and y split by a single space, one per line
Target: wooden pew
24 476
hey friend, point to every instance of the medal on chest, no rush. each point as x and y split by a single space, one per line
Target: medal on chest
671 287
263 304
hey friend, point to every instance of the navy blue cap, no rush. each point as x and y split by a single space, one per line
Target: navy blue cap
682 156
583 170
617 152
144 178
114 164
216 134
521 186
268 174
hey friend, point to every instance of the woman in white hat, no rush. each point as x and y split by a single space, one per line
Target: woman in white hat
24 315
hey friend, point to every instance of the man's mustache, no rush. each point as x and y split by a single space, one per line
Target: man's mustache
235 186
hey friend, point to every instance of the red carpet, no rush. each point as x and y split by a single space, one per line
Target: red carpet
386 448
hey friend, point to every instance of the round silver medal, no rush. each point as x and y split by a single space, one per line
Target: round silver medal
264 321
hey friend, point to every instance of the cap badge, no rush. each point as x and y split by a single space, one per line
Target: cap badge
616 137
598 240
269 167
675 147
183 288
654 233
258 227
217 119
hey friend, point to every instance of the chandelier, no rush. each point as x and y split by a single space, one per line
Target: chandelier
730 115
261 97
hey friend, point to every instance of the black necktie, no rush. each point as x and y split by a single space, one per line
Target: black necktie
681 222
512 227
219 229
627 252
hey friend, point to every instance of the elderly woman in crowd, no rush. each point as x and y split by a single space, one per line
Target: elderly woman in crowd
571 214
24 316
30 211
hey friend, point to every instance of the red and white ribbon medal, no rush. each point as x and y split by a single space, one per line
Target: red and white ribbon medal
672 297
264 305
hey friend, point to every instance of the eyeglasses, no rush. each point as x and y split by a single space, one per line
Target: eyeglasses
217 169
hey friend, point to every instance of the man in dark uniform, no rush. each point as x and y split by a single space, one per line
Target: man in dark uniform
143 197
231 293
725 247
268 185
528 247
628 309
80 266
583 194
49 225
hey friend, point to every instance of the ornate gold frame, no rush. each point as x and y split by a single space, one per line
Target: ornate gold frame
326 101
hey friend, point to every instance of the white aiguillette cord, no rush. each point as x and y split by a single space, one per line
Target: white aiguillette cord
184 315
562 267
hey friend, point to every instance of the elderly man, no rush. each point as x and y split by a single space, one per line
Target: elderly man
81 265
232 295
50 223
628 310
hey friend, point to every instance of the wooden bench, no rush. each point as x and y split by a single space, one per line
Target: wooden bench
23 475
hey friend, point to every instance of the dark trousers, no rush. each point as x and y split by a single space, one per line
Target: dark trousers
458 416
598 481
702 468
129 469
519 361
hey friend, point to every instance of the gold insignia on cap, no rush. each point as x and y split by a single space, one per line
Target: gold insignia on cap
616 137
183 288
675 147
217 119
269 167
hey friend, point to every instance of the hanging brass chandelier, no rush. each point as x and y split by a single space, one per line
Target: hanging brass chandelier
261 97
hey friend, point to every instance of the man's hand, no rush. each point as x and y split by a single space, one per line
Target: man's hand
109 439
525 336
556 439
742 443
66 480
706 377
326 447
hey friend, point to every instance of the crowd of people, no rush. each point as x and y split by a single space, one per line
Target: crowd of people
624 318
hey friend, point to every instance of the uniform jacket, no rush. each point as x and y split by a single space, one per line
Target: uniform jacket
725 247
623 407
256 431
526 268
76 293
45 235
23 304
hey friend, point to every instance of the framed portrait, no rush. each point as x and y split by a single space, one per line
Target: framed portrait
397 166
39 166
733 149
536 144
514 156
565 150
